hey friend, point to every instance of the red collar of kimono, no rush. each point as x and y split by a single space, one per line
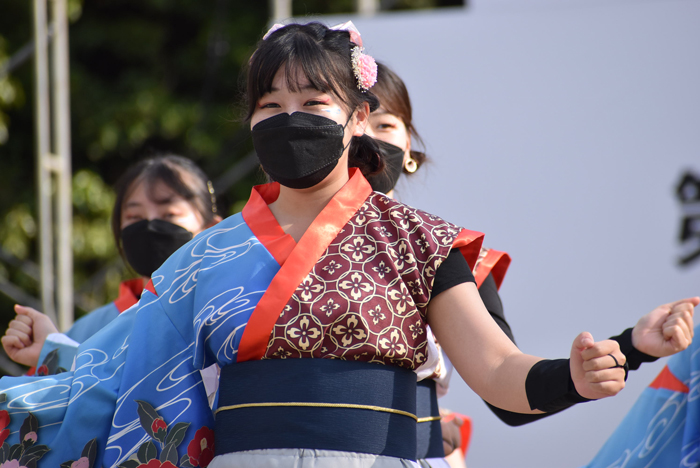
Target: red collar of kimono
296 259
262 222
129 293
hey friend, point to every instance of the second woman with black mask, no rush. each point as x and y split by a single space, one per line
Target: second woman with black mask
392 125
161 203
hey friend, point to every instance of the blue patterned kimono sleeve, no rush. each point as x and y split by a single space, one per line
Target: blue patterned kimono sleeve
75 407
662 429
137 390
206 292
60 349
161 403
134 385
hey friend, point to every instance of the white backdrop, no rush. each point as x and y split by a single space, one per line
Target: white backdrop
560 129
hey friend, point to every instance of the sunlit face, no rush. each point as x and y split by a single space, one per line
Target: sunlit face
389 128
163 203
282 100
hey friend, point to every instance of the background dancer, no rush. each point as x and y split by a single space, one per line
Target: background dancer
161 203
658 333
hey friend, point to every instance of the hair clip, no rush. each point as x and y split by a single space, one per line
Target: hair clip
351 29
274 28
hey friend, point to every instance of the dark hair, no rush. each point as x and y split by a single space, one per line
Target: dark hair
323 56
196 188
393 95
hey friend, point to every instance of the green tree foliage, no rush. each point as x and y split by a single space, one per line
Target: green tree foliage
147 77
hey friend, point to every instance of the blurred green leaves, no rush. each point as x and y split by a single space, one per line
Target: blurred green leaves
92 207
98 270
147 77
11 94
18 230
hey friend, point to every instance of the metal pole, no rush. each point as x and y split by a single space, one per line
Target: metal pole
43 174
367 7
62 163
281 9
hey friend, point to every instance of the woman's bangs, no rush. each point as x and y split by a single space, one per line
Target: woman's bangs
391 100
304 61
320 72
171 177
265 74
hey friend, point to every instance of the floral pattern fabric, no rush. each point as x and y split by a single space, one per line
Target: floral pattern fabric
366 298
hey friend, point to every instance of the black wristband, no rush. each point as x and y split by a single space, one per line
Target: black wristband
549 387
635 357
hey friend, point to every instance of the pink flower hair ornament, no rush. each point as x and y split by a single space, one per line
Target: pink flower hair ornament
364 67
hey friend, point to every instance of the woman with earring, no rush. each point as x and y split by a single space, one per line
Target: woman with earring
392 124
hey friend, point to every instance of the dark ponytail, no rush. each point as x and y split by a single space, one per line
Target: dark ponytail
364 154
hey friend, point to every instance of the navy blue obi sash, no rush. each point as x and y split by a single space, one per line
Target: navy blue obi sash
323 404
428 431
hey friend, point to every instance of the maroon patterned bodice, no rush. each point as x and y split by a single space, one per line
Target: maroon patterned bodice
366 298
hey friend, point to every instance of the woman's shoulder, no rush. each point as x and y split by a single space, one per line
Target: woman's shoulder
230 230
208 253
89 324
404 213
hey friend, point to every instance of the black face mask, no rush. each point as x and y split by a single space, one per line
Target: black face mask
298 150
393 166
147 244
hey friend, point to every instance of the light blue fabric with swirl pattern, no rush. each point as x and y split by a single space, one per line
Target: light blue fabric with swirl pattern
662 430
152 352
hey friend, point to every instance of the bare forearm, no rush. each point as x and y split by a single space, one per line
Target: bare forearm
503 376
506 385
482 354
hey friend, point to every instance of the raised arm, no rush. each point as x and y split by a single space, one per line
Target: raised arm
665 330
26 334
494 367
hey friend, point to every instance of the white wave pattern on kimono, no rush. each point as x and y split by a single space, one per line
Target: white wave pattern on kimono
662 430
152 352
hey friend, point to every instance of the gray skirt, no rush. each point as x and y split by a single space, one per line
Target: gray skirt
307 458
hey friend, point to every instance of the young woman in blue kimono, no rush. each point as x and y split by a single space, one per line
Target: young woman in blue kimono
392 124
161 203
314 302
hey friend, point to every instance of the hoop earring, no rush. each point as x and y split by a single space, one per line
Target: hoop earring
410 165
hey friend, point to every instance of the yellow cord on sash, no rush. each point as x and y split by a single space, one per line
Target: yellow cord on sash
327 405
428 419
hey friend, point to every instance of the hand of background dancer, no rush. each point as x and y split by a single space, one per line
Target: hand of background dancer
592 369
667 329
451 435
26 334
